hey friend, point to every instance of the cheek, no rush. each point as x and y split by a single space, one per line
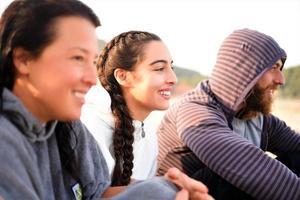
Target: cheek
265 79
262 82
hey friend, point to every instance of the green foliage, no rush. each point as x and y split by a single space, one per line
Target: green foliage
188 77
292 82
101 44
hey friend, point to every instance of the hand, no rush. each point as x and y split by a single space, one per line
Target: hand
190 188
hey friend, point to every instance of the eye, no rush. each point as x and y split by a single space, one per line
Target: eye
159 69
78 58
276 67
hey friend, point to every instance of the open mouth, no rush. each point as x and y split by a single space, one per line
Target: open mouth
165 93
79 95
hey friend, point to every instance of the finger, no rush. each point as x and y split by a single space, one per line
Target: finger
182 180
200 196
182 195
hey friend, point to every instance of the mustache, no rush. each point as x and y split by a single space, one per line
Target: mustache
274 87
257 101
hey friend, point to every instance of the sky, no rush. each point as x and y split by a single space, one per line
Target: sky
193 30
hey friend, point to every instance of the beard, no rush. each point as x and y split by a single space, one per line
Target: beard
259 102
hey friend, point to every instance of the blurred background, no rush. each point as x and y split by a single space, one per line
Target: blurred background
194 29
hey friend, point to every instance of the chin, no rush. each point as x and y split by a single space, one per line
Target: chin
163 107
71 117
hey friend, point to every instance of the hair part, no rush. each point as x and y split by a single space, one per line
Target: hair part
122 52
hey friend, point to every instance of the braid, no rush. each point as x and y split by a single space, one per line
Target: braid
121 52
122 141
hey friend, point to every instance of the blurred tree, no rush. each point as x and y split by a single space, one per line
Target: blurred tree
291 88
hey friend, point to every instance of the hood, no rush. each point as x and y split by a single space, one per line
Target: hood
242 59
98 97
98 101
30 126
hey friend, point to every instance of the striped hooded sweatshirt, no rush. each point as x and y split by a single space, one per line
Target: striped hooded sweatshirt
198 130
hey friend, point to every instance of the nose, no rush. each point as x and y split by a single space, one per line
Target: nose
279 78
172 78
90 74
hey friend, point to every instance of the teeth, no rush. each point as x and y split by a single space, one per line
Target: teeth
165 93
272 92
79 94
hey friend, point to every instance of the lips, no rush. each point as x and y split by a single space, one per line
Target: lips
271 90
80 94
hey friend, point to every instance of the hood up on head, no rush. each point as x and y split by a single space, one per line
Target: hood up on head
242 59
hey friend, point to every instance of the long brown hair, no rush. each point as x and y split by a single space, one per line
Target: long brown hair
123 51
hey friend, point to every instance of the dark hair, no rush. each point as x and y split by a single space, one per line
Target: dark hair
124 52
29 24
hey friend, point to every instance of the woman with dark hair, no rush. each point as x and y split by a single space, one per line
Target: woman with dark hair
135 68
46 68
48 51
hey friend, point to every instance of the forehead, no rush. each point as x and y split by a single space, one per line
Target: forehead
75 31
156 50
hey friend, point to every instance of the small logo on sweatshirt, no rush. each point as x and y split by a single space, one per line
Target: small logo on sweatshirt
77 191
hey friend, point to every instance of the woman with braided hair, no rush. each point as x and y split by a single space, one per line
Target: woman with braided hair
135 69
46 152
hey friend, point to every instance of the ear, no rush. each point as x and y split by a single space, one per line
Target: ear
122 77
21 58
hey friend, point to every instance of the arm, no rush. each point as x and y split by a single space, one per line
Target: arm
93 169
190 188
281 138
205 131
112 191
159 188
18 173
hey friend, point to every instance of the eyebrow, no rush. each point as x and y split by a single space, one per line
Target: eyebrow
160 61
83 50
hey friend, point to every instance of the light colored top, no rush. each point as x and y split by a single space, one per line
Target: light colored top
97 116
249 129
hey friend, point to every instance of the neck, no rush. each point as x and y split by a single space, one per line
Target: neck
22 90
138 114
138 111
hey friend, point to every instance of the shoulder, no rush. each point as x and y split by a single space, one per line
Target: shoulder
96 112
197 101
10 135
18 162
98 98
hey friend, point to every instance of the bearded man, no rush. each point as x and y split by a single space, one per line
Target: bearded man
220 131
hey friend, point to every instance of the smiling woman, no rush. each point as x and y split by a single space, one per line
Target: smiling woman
135 68
48 53
64 69
46 68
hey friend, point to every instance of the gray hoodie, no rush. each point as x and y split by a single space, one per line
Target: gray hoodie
31 166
